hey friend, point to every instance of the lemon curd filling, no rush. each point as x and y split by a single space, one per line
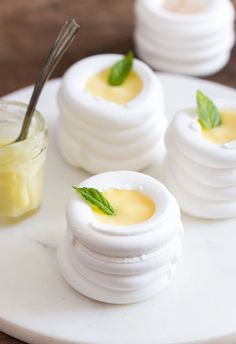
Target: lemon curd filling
184 6
20 181
4 142
97 85
21 163
226 132
131 207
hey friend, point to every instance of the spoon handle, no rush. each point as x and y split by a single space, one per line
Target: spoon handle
61 44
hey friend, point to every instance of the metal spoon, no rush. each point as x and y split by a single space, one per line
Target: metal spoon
62 43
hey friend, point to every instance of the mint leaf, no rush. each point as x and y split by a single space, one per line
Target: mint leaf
95 197
120 70
209 116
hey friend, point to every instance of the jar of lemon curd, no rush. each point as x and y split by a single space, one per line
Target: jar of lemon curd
21 163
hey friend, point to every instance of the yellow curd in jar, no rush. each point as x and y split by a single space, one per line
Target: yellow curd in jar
226 132
97 85
20 183
21 163
131 206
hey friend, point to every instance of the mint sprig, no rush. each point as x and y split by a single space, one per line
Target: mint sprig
95 197
209 116
120 70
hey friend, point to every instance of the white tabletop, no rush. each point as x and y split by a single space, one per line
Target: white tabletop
37 306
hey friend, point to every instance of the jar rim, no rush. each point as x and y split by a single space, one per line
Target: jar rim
40 122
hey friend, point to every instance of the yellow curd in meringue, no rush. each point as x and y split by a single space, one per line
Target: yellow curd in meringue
226 132
131 207
184 6
98 86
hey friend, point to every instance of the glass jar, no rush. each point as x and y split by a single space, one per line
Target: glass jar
21 163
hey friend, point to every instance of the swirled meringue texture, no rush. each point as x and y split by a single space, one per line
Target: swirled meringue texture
100 134
171 38
200 171
121 263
